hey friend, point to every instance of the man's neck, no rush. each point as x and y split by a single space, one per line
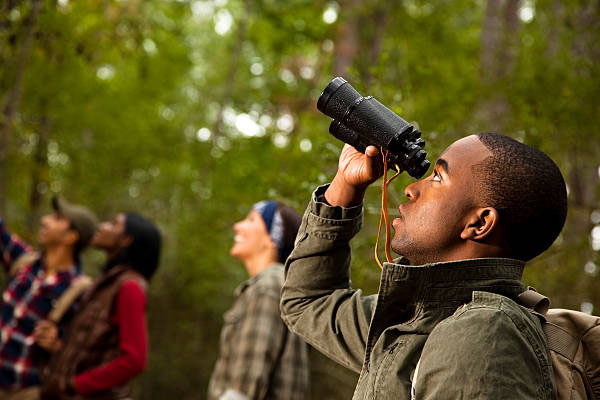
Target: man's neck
58 259
468 251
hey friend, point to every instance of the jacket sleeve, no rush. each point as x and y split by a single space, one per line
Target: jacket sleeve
480 353
317 302
11 246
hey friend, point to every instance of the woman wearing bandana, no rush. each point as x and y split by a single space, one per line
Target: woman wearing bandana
259 358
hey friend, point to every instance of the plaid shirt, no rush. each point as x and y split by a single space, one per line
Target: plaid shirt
27 299
259 358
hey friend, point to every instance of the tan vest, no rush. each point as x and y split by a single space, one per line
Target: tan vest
91 338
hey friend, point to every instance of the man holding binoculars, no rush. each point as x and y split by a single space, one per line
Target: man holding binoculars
445 323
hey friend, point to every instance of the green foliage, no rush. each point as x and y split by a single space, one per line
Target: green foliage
191 111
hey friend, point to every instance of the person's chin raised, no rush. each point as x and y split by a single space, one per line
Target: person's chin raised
235 251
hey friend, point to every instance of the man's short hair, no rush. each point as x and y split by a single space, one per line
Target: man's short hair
527 190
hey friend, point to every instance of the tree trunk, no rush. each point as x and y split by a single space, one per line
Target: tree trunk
583 177
12 100
233 68
499 47
346 38
558 16
39 173
379 19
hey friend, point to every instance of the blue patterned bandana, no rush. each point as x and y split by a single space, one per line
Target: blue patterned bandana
274 223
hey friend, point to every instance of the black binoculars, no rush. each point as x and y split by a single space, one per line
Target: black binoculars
364 121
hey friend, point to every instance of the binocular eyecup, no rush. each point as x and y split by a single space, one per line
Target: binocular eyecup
363 121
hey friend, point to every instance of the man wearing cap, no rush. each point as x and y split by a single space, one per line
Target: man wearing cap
259 358
35 282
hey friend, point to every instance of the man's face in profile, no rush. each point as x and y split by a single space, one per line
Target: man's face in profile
53 230
430 223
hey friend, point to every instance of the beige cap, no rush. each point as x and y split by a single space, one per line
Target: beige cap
83 220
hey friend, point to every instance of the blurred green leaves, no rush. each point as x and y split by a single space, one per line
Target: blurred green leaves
191 111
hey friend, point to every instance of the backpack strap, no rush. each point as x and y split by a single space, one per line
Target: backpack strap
535 301
62 304
559 340
22 261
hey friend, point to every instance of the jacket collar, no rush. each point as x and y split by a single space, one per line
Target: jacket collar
421 296
417 298
453 282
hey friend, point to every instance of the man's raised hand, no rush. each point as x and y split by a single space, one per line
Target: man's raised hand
356 171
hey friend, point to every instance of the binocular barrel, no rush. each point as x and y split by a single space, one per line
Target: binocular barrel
363 121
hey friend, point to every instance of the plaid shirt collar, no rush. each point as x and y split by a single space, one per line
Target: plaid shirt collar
265 272
72 271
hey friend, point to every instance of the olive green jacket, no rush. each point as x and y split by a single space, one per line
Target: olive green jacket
489 348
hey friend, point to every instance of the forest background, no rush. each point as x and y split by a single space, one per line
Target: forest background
190 111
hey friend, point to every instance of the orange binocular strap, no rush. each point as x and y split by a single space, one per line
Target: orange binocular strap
384 218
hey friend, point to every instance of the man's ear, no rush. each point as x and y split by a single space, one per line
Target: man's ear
481 224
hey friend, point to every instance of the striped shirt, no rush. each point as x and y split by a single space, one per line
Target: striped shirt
27 299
